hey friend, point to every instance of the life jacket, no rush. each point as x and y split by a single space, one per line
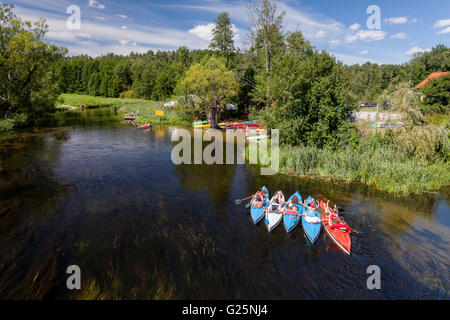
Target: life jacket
341 227
260 194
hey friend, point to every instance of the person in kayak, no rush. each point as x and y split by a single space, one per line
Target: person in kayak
292 206
333 211
277 202
258 199
343 227
294 201
312 205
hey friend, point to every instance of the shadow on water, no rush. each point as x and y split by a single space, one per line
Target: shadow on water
106 197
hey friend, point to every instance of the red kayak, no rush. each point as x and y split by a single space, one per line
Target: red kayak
341 236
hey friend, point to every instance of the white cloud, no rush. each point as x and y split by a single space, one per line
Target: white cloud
124 27
203 31
100 18
355 26
366 35
236 33
95 4
415 50
351 38
399 20
400 35
442 23
335 42
320 34
122 16
444 31
364 52
371 35
124 42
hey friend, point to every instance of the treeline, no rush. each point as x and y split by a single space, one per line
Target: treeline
369 80
152 75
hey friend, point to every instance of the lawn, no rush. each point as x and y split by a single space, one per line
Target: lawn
76 100
146 107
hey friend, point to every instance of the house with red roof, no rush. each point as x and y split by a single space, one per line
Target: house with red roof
434 75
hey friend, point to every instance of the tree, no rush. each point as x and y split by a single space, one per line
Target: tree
26 62
437 95
223 36
212 84
266 29
310 91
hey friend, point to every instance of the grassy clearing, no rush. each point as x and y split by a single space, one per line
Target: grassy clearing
123 106
76 100
147 114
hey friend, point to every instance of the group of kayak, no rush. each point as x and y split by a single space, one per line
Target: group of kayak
293 210
229 124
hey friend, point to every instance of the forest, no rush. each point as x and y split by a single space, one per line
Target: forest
154 75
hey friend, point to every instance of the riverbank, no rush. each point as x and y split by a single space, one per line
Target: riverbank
372 163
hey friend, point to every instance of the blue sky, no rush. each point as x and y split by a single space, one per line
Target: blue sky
340 27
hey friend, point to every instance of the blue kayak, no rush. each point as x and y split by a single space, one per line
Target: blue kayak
291 220
258 213
311 222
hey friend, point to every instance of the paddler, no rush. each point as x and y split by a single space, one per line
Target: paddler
276 202
312 203
293 206
333 212
294 200
343 227
258 199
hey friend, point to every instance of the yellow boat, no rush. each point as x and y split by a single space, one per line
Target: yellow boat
201 125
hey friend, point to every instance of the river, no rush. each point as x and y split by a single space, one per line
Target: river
88 189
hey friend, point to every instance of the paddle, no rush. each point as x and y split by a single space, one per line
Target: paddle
239 201
358 232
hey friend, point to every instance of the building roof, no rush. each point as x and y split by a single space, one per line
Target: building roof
434 75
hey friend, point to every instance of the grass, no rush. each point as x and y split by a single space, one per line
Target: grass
123 106
382 167
378 166
76 100
147 114
438 119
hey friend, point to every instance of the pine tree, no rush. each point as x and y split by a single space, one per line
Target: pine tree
223 36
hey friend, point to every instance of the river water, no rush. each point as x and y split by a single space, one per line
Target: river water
90 190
